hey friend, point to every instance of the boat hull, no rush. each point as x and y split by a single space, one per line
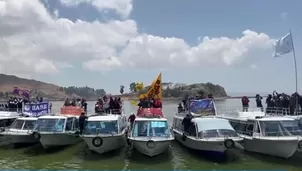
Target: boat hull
22 139
58 140
159 147
109 143
206 148
283 148
4 140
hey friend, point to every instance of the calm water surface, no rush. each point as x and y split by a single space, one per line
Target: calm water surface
78 157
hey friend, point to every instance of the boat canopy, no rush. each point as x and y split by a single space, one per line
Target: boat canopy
204 124
150 112
202 107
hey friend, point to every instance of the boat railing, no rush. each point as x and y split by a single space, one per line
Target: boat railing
255 111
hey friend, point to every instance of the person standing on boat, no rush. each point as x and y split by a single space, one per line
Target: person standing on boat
245 103
82 119
84 105
131 119
259 102
186 122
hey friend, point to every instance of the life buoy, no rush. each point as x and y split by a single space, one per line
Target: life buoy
300 144
150 144
36 135
97 142
229 144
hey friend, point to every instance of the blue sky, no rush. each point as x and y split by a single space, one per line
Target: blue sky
190 21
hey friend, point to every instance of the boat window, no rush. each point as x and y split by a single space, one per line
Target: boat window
178 124
51 125
101 127
217 133
257 129
76 124
279 128
18 124
150 128
249 129
29 125
6 122
69 124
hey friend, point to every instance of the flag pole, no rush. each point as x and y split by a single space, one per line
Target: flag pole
296 72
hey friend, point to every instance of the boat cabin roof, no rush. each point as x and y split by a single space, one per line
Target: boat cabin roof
104 118
212 123
5 118
57 116
27 118
150 119
8 115
259 118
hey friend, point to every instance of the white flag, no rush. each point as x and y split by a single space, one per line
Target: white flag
283 46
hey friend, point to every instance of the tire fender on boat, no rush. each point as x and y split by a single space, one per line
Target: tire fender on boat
184 136
229 144
150 144
97 141
300 144
36 135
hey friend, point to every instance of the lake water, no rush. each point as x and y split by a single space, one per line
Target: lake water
78 157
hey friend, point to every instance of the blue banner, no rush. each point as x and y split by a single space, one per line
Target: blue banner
36 109
199 106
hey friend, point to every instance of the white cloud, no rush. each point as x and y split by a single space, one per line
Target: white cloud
37 42
122 7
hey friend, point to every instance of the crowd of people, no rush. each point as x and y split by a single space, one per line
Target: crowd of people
76 102
145 102
15 104
108 105
276 103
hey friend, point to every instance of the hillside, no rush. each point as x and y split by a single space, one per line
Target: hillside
172 90
50 91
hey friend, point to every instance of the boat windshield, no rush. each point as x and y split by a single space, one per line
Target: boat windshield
29 124
217 133
50 125
18 124
101 127
6 122
280 128
151 129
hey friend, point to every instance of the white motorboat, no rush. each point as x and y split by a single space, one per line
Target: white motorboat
104 133
150 134
21 131
6 119
271 135
207 134
57 130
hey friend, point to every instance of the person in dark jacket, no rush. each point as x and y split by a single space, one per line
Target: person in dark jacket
131 119
259 102
82 119
186 122
245 103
